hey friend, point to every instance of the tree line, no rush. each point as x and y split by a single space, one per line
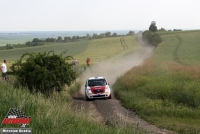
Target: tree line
59 39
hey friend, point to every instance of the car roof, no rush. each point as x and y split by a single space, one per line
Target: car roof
91 78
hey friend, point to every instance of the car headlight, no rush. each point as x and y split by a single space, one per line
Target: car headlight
89 90
107 89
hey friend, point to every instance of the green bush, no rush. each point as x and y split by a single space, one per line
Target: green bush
152 38
10 46
44 72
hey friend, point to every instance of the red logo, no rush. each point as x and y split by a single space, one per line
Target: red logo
15 116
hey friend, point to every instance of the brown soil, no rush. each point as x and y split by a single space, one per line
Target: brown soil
110 111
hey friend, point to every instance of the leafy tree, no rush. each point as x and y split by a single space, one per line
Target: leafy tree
177 29
153 27
36 40
70 38
9 46
50 40
114 35
152 38
95 36
34 43
59 39
44 72
146 35
162 29
28 43
67 39
74 38
155 40
101 35
131 33
108 34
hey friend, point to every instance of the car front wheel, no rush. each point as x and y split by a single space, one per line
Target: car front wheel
86 98
109 97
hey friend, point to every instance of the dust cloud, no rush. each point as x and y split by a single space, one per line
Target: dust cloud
112 68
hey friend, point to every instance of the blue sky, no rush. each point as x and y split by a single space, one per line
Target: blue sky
78 15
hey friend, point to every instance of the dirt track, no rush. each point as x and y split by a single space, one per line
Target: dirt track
111 111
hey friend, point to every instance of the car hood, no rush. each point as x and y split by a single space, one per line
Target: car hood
98 89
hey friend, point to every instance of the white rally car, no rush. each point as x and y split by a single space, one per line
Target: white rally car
97 87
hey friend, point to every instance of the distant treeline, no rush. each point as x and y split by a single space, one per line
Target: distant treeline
163 29
37 42
59 39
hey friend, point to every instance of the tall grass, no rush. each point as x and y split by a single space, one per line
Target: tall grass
160 95
163 91
52 115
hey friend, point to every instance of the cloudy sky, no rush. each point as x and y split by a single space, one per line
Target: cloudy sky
76 15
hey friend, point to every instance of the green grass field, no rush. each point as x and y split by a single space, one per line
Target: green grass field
182 48
102 49
54 115
96 50
72 47
165 90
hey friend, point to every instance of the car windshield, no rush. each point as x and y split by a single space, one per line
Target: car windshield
97 82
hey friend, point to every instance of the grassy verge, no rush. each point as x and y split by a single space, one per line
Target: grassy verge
52 115
165 89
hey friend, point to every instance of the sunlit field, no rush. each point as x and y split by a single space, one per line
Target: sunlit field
96 50
165 90
102 49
